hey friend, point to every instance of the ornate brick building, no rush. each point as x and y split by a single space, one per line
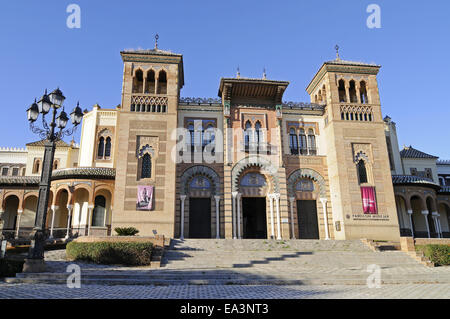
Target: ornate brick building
243 165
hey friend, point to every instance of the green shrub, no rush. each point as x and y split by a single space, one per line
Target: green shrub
438 254
130 254
126 231
10 267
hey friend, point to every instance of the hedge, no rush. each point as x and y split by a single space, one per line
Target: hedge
10 267
438 254
124 253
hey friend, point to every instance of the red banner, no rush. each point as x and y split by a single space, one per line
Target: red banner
369 200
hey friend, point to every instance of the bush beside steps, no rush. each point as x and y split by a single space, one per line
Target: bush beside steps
108 253
437 254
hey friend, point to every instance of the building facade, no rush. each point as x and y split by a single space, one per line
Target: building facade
244 165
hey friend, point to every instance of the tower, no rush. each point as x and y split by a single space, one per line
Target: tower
145 170
361 188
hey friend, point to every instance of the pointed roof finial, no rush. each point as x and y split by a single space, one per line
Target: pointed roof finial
337 52
264 73
238 74
156 41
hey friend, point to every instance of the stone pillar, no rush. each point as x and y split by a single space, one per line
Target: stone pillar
238 203
69 214
410 212
234 194
89 218
325 218
53 208
272 227
435 217
277 203
19 216
182 199
425 214
217 198
291 202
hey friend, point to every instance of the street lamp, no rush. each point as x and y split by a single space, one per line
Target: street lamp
53 101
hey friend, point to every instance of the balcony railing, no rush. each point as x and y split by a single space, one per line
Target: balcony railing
305 151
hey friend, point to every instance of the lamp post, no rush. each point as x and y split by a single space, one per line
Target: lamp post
49 132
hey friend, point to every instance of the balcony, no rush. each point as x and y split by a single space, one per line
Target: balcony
305 151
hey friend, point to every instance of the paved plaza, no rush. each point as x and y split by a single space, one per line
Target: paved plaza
42 291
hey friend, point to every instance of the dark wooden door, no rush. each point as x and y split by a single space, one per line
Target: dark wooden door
307 219
199 218
254 217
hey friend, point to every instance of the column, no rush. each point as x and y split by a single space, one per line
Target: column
89 218
410 212
439 225
325 218
234 194
425 214
217 198
277 203
19 216
182 198
238 203
69 215
272 227
435 217
53 208
291 202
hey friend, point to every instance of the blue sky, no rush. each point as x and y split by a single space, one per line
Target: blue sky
291 39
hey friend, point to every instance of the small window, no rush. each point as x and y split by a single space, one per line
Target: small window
302 142
293 142
146 166
108 147
101 147
138 82
5 171
162 82
342 93
362 172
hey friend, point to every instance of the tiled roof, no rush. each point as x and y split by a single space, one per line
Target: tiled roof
59 143
411 152
150 52
19 180
355 63
84 172
443 162
410 179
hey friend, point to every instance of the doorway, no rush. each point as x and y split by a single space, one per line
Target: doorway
199 218
307 219
254 217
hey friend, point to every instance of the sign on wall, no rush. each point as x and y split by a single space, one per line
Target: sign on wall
144 198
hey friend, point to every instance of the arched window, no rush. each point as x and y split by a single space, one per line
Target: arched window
258 132
352 92
98 215
146 166
312 142
150 82
247 133
191 141
55 164
209 135
319 97
37 166
138 82
101 147
162 82
341 89
293 142
108 147
324 94
362 172
363 92
302 142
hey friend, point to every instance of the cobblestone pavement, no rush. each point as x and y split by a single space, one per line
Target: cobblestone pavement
20 291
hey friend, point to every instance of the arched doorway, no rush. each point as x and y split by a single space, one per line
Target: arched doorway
80 212
431 208
444 218
199 207
10 214
28 215
403 216
419 224
307 218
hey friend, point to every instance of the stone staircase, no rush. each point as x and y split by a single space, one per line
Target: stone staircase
255 262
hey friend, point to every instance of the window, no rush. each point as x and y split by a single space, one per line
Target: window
98 215
55 164
302 141
209 136
312 142
293 142
108 147
362 172
36 166
5 171
138 82
162 82
363 92
150 82
341 89
413 171
247 134
352 92
146 166
15 171
101 147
